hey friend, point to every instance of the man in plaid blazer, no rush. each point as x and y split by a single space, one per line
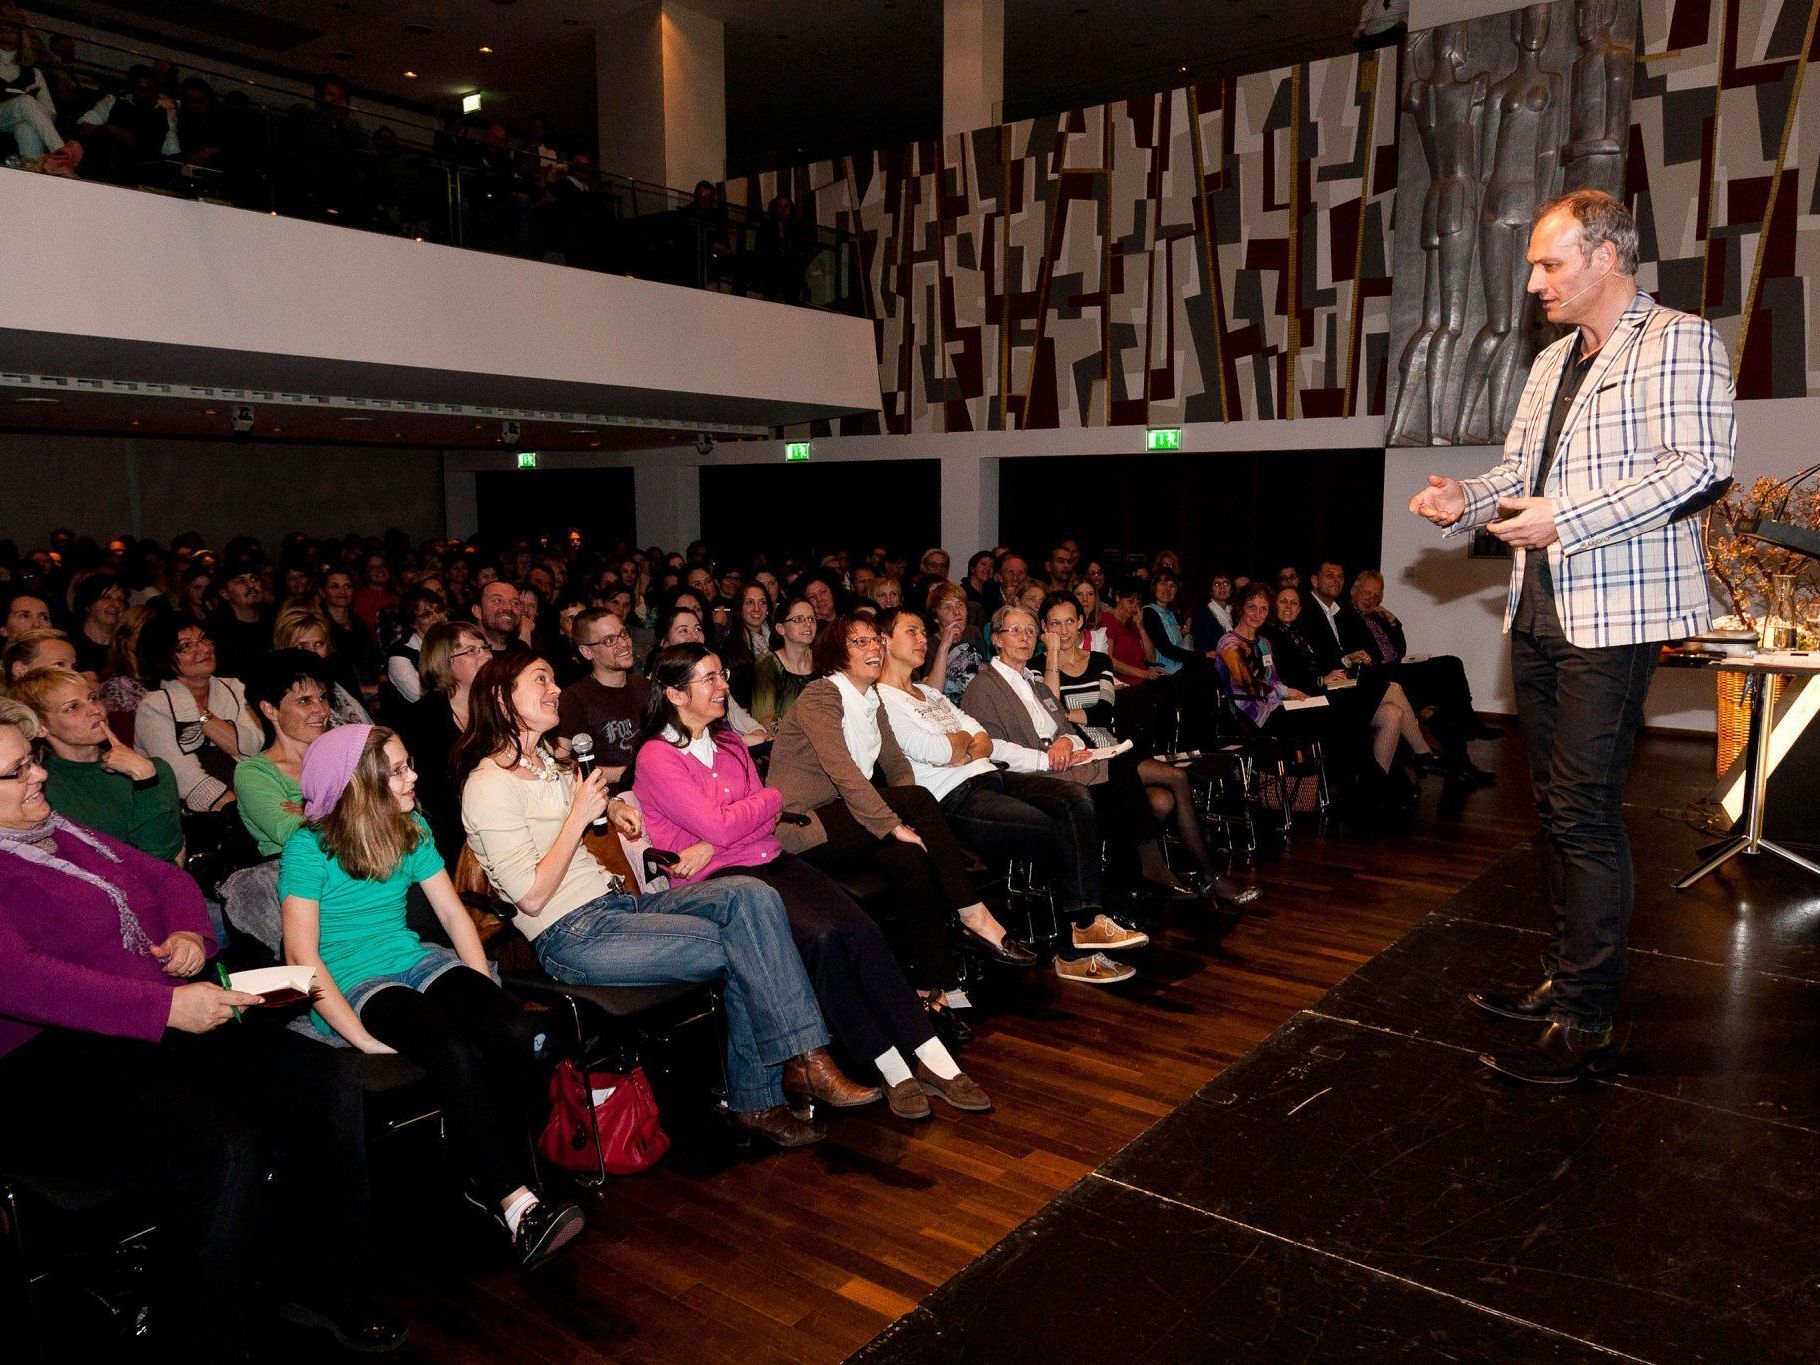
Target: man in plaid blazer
1623 433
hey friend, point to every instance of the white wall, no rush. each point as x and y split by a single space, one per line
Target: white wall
101 486
209 291
695 97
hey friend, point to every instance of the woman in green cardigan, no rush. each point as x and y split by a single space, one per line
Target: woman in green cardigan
290 693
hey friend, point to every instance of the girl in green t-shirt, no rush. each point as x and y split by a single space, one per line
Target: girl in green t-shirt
342 881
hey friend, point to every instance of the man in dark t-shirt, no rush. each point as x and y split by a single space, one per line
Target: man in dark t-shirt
609 703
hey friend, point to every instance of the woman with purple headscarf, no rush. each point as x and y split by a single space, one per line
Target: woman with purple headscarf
342 882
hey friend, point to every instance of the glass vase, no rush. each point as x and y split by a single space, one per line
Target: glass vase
1779 613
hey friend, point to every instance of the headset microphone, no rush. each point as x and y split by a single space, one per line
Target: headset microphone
1594 285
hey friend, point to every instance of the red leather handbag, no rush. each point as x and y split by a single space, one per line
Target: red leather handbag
618 1136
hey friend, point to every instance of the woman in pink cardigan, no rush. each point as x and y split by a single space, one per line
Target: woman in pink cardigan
703 798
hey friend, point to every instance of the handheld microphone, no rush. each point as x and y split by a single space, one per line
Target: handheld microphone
582 746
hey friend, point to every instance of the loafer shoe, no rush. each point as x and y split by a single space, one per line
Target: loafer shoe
1529 1007
1007 952
908 1100
958 1090
1561 1056
1105 934
543 1230
1096 969
777 1124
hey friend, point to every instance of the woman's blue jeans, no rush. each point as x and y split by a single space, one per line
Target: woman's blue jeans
733 930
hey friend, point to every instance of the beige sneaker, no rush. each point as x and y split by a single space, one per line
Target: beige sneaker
1096 969
1104 935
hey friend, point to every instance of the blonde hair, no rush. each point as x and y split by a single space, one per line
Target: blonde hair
20 716
123 650
23 648
366 832
294 620
942 592
34 689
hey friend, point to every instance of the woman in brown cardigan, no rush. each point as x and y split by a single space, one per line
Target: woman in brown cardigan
827 749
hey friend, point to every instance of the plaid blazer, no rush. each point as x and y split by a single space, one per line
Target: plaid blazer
1649 433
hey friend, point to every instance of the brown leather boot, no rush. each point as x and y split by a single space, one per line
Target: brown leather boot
781 1126
814 1074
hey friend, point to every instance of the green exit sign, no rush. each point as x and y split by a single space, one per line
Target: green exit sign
796 452
1163 438
527 459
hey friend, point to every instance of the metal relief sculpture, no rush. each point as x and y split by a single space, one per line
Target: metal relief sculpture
1499 114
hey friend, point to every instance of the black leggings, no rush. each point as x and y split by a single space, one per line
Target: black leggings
477 1045
865 999
926 888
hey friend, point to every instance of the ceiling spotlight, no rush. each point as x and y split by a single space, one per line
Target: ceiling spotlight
210 412
485 51
37 400
356 419
410 75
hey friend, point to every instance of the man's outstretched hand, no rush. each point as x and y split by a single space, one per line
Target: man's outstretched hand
1443 501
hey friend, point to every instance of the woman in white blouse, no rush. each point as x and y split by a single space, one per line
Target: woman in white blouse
198 723
1019 813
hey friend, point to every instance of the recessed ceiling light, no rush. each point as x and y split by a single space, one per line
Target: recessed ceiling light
581 431
485 51
37 400
210 412
410 75
356 419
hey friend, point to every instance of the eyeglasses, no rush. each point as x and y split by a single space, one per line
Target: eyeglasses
797 621
401 769
193 646
610 641
720 676
1022 632
863 641
471 649
20 770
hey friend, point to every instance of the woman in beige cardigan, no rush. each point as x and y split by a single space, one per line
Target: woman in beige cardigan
827 749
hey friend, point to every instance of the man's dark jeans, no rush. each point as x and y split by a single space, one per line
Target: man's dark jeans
1580 709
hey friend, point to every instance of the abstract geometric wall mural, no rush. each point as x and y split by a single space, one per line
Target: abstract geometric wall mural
1132 263
1499 115
1135 263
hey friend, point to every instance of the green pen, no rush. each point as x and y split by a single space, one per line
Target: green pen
222 972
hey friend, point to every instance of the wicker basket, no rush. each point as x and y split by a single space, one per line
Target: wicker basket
1734 714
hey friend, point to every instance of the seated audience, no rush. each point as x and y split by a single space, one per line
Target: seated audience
1083 680
375 593
1127 643
125 685
305 628
95 608
196 591
402 684
94 779
1370 704
780 675
196 721
123 135
290 692
500 612
1214 618
117 1073
827 751
28 108
342 886
453 654
43 648
886 593
958 651
1092 633
350 638
1013 704
702 796
681 625
609 703
1017 814
977 584
746 640
1436 685
1011 575
24 611
241 626
525 814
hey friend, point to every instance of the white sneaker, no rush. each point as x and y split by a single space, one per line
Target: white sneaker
1107 935
1096 969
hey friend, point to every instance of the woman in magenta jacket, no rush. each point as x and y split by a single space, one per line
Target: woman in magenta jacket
702 797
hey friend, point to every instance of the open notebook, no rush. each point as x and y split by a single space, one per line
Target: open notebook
278 985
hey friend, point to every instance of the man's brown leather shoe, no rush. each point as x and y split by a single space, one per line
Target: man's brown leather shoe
781 1126
1561 1056
1529 1007
814 1074
959 1090
908 1100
